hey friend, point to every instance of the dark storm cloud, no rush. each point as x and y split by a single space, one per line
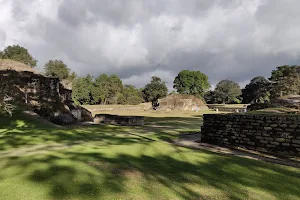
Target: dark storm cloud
137 39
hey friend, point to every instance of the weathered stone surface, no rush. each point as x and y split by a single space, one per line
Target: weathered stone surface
280 139
269 138
283 125
273 125
275 133
293 125
264 141
120 120
270 145
65 118
275 143
268 128
296 141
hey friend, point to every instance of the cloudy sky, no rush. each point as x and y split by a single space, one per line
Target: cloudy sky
136 39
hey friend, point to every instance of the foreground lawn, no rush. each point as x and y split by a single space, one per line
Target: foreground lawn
110 162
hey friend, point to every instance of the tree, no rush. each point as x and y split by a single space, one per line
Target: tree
210 97
228 91
106 89
155 90
100 89
191 82
285 80
72 76
57 69
19 54
115 86
173 92
81 91
257 91
130 95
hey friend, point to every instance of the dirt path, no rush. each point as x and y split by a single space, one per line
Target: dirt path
190 141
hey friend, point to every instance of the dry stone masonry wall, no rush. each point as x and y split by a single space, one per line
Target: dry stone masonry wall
119 120
271 133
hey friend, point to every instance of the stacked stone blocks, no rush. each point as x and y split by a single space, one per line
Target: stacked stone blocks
271 133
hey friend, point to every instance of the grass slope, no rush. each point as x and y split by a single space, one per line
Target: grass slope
110 162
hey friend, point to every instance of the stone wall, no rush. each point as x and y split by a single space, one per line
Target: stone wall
43 95
270 133
30 88
259 106
222 108
119 120
121 108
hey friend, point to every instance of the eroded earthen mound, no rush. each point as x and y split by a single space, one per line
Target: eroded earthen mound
182 102
7 64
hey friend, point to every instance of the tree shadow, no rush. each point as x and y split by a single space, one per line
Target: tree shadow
73 174
105 162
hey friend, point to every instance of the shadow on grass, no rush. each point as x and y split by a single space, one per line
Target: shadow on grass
22 132
104 135
107 163
21 121
74 174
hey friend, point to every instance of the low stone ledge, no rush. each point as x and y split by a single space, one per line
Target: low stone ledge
119 120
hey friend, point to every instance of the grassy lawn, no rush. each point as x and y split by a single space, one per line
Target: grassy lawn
38 161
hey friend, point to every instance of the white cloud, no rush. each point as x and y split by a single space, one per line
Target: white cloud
137 39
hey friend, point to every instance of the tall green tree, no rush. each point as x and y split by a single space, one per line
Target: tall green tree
130 95
100 89
228 91
82 88
211 97
115 86
106 89
191 82
285 80
20 54
72 76
57 68
257 91
154 90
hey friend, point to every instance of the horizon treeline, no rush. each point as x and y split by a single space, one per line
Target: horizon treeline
109 89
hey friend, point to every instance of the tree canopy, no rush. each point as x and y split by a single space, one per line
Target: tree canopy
130 95
227 91
57 68
285 80
18 53
155 89
191 82
257 91
81 90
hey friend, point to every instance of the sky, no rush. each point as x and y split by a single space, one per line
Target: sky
138 39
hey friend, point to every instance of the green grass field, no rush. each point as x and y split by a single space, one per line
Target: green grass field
38 161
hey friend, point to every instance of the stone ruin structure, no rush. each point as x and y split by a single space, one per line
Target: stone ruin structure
44 95
181 102
271 133
119 120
